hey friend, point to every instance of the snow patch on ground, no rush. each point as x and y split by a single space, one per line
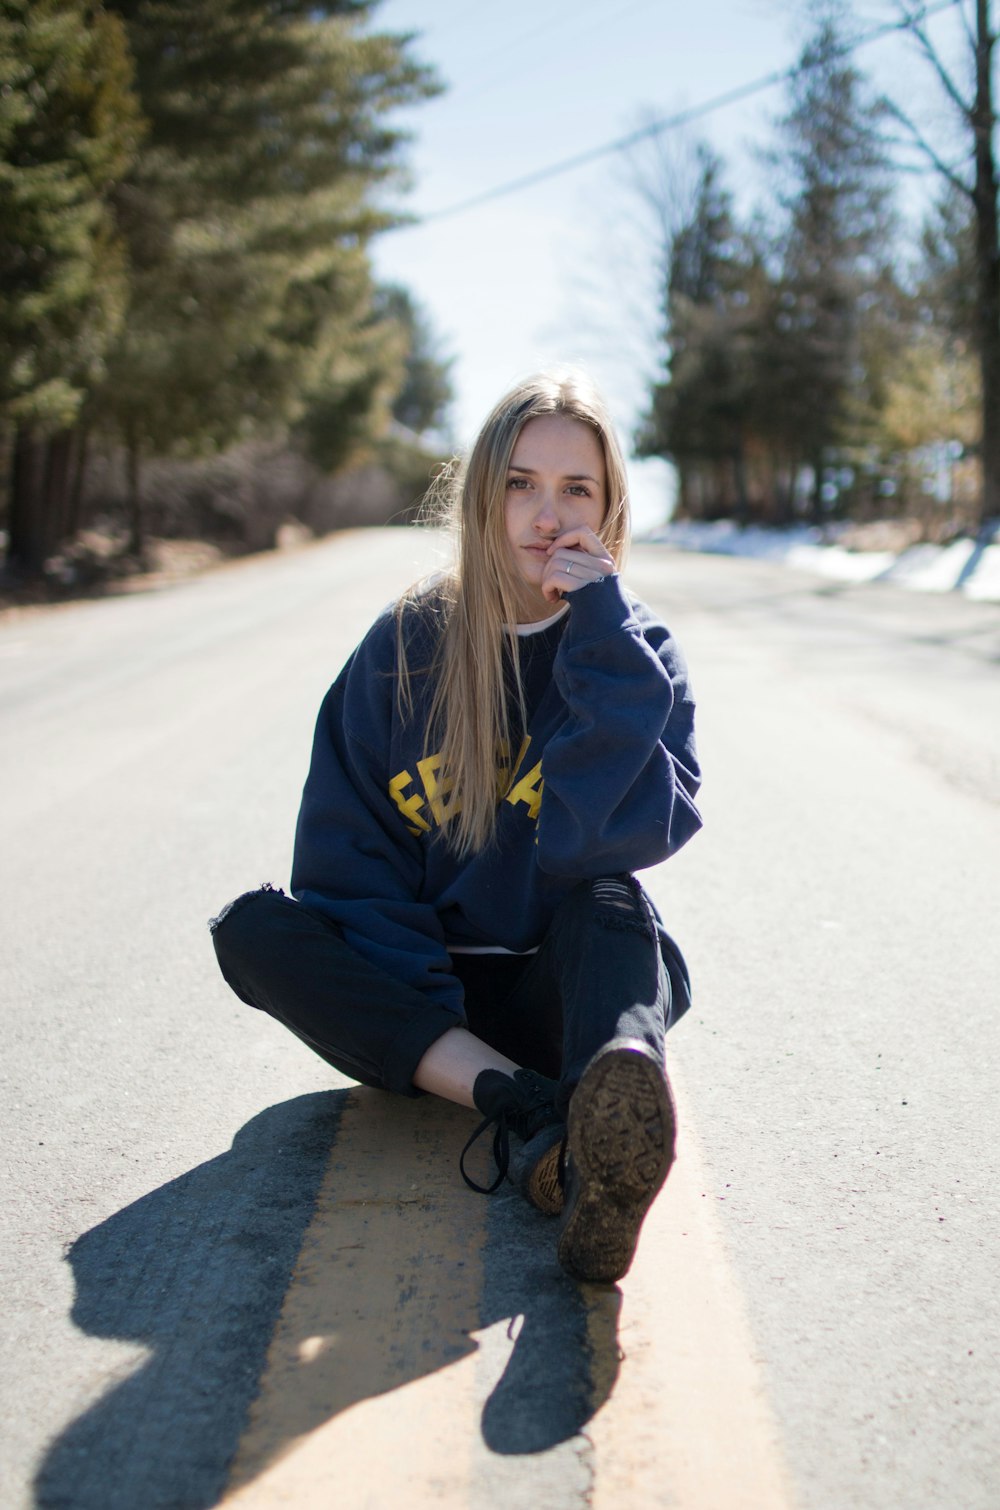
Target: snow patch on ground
964 565
984 583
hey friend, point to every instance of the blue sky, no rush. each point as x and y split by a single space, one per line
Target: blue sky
563 271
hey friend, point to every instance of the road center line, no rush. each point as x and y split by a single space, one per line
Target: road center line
372 1389
366 1390
688 1424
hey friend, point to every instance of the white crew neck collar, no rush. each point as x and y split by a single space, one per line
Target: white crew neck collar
540 624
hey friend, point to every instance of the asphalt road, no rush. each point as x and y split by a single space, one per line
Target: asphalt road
164 1147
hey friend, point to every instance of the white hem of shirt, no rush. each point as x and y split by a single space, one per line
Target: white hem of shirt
541 624
488 949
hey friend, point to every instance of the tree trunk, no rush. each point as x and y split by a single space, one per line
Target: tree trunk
40 498
817 514
740 482
33 532
74 502
133 493
58 464
683 506
987 264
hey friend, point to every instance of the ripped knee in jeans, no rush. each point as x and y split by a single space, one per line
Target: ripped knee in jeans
622 905
241 901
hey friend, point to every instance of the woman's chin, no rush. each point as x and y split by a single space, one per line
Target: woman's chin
533 606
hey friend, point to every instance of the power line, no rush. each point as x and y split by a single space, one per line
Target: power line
669 122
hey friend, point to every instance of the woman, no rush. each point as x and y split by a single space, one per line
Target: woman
504 748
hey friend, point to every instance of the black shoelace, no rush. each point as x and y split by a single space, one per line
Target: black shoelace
501 1151
524 1117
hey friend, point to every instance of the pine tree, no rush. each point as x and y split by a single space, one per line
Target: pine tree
946 283
976 183
69 128
933 396
248 217
701 414
836 283
426 391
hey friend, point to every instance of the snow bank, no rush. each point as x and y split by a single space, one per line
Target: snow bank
984 583
963 566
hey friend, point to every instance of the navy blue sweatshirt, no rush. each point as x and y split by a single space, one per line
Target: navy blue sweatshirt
603 783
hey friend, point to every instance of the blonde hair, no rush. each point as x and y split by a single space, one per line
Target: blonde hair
475 664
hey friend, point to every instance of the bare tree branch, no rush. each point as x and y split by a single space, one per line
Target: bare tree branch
966 26
665 175
891 142
913 20
919 140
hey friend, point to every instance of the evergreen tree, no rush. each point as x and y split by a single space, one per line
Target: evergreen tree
215 284
976 184
702 412
69 127
248 215
946 280
837 292
426 392
933 393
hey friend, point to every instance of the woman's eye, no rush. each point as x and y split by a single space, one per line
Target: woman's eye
580 489
517 482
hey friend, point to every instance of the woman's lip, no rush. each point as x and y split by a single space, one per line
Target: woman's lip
539 550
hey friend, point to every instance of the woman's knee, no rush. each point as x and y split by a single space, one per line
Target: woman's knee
245 917
614 902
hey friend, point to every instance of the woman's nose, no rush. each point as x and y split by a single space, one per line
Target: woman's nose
546 514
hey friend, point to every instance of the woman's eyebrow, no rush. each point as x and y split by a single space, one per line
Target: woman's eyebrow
567 476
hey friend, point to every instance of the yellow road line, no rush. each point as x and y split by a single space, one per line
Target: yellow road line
688 1425
378 1372
366 1384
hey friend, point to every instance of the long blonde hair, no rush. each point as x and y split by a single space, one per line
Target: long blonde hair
475 666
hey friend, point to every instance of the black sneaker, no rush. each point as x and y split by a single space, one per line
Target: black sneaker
620 1146
522 1104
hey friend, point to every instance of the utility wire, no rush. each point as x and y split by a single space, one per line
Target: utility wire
670 122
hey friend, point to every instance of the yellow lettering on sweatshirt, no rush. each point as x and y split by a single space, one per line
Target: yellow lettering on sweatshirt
505 771
529 790
440 798
408 806
437 790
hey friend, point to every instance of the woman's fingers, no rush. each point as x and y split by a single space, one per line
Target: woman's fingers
582 539
566 570
579 565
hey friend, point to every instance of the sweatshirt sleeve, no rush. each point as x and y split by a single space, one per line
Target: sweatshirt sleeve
354 860
621 775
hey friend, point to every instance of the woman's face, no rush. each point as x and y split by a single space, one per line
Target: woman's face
555 482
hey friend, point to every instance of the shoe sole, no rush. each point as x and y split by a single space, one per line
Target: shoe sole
621 1134
543 1186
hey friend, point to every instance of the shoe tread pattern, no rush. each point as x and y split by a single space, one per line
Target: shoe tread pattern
621 1145
544 1184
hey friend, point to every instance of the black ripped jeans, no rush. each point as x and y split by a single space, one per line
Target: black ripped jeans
598 974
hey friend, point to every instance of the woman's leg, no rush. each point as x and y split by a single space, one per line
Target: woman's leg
600 971
525 1026
453 1064
601 961
289 961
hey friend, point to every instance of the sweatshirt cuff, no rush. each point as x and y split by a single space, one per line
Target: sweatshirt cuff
598 610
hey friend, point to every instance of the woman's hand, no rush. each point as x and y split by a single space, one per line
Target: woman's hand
575 558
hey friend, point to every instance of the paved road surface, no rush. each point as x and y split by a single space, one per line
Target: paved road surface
813 1318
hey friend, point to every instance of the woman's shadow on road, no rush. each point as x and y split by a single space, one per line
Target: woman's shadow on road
197 1271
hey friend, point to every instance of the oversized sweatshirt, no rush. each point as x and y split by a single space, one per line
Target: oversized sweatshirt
603 783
